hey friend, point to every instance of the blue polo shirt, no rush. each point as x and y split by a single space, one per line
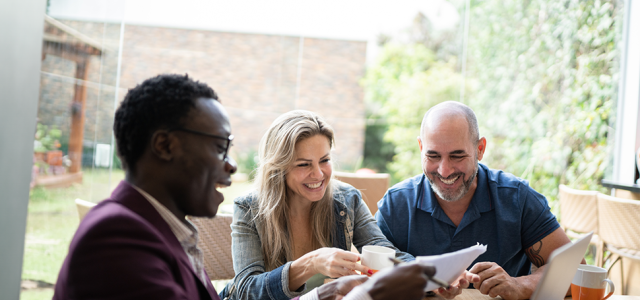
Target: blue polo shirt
505 214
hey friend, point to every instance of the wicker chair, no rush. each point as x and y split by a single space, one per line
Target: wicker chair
215 243
372 186
83 207
579 216
619 221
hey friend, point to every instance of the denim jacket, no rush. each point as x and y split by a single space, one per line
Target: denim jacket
354 224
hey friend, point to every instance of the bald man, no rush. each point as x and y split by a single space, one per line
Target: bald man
458 202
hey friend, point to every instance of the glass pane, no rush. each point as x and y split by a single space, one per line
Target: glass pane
73 157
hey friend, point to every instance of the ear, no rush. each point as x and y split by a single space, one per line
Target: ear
419 143
163 145
482 146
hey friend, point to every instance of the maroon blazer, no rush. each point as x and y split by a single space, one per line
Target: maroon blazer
123 249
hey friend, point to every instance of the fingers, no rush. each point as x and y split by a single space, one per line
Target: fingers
455 289
481 266
490 283
471 277
449 293
358 267
339 271
486 270
463 283
347 283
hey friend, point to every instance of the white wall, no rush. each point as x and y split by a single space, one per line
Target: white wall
20 55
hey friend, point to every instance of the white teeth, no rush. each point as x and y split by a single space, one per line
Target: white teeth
314 186
220 186
450 181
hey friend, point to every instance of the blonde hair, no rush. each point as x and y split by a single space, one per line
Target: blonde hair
277 154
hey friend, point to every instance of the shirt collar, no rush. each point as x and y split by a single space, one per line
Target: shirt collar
184 230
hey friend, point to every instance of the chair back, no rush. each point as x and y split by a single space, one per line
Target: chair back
578 209
372 186
83 207
215 243
619 221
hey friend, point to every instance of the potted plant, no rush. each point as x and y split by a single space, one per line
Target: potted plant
45 147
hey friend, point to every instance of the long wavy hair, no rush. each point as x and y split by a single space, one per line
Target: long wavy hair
276 155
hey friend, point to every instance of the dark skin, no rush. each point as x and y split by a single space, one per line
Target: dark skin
182 170
406 281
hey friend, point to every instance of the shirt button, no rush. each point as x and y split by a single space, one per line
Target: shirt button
342 213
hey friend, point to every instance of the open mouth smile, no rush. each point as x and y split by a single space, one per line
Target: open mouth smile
449 181
314 186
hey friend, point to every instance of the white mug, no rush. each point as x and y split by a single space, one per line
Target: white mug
590 283
376 258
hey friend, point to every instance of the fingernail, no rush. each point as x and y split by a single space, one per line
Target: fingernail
370 272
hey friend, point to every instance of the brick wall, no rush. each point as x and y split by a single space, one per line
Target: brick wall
256 77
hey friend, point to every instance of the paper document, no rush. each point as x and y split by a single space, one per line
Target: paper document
450 266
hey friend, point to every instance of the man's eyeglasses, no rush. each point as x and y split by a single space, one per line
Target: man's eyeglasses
226 139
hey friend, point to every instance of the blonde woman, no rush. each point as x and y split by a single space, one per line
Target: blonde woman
297 226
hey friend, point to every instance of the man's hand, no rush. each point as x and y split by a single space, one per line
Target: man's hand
457 287
338 288
495 281
406 281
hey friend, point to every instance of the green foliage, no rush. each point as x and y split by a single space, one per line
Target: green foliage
46 138
407 80
248 163
553 87
541 76
377 151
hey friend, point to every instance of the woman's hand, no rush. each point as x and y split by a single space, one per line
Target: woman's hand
334 262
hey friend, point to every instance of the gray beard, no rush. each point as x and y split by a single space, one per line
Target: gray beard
457 194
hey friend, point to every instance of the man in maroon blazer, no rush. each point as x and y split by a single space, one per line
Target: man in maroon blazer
173 138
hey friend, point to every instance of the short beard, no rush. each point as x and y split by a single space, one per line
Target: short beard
455 195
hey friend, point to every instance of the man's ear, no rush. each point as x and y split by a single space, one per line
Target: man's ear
482 146
163 145
419 143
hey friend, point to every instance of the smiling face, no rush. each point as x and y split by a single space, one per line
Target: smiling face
202 167
309 175
449 158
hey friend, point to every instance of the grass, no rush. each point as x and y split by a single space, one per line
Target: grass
52 220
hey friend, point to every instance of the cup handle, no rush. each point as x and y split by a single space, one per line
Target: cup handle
612 288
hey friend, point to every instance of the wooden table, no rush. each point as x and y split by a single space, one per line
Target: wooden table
473 294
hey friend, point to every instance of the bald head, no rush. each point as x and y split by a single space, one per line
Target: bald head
451 111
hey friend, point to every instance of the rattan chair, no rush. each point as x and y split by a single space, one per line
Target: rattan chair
372 186
83 207
579 216
619 222
215 243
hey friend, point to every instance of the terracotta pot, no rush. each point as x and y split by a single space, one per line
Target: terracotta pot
54 158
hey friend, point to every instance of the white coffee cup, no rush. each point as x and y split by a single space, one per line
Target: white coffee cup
590 283
376 258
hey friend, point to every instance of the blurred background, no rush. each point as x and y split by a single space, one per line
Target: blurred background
543 77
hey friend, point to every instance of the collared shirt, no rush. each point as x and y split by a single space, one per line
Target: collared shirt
185 232
504 213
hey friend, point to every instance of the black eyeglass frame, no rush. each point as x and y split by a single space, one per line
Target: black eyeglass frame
229 139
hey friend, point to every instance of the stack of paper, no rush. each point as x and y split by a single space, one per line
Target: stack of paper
450 266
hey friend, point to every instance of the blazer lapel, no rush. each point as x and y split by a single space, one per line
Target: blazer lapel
129 197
